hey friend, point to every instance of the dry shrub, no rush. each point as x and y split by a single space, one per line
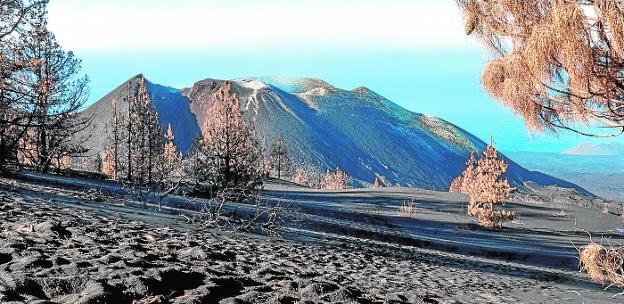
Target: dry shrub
55 287
150 300
561 213
407 208
603 264
335 180
613 266
591 257
263 217
63 163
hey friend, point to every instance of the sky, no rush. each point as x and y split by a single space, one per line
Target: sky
413 52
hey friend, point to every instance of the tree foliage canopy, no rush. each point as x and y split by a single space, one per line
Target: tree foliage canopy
559 64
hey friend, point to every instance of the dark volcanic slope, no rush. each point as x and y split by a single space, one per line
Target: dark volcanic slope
172 107
326 127
358 131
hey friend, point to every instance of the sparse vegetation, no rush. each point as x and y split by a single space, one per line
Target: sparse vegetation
407 208
137 143
380 182
561 213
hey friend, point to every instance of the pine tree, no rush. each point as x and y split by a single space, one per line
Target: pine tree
171 163
139 135
228 152
16 19
108 163
335 180
301 177
486 188
280 158
55 95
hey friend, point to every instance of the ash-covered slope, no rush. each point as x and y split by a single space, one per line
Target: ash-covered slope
358 130
172 107
326 127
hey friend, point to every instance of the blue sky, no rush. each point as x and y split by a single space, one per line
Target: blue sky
412 52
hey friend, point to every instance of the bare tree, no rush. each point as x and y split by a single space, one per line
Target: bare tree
129 121
228 153
280 158
141 136
115 137
560 64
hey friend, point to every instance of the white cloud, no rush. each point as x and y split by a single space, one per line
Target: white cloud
115 25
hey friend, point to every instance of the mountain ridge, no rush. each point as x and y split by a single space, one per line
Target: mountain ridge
596 149
326 127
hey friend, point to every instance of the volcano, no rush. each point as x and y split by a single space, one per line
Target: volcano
325 127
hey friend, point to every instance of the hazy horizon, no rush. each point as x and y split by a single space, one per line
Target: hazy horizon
433 69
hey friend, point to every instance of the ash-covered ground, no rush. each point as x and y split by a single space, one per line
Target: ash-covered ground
60 245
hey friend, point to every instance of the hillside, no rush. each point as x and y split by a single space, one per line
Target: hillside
172 108
326 127
601 149
602 175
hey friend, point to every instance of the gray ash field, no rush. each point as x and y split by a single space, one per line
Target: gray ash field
64 246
